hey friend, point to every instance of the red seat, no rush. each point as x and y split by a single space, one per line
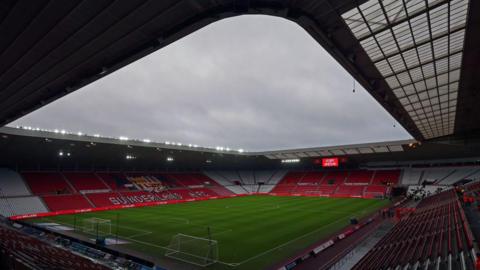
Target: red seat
85 181
47 183
66 202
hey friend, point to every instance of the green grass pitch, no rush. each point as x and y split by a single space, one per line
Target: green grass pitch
253 232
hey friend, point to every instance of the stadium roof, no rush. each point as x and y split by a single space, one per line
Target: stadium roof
36 149
417 58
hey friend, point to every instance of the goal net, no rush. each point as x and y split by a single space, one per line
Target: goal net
97 226
194 250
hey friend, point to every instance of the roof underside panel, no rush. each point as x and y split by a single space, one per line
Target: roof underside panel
408 54
417 46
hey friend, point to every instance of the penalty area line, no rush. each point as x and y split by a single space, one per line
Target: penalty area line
166 248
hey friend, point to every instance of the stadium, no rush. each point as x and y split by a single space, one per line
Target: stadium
73 200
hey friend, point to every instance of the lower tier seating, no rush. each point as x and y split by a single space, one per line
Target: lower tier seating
21 205
436 233
350 190
32 253
66 202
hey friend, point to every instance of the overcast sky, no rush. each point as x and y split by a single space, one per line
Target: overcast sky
251 82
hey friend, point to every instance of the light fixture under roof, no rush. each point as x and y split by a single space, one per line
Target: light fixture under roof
417 47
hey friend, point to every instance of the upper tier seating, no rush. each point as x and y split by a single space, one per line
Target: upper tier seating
21 205
247 177
439 176
42 183
335 178
411 176
221 177
250 180
85 181
263 176
196 180
292 178
187 179
360 177
32 253
115 181
277 176
383 177
12 184
437 232
66 202
312 178
288 183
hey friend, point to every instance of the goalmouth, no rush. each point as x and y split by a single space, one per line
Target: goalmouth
97 226
194 250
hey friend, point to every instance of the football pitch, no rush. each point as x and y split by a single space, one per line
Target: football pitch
252 232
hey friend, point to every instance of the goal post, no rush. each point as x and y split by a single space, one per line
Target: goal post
194 250
97 226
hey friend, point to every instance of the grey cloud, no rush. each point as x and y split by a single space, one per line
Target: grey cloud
252 82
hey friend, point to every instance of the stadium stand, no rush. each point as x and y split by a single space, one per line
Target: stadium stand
75 190
435 236
11 206
357 183
115 181
355 191
375 191
247 181
439 176
360 177
85 181
12 184
42 183
66 202
382 177
103 199
27 252
15 196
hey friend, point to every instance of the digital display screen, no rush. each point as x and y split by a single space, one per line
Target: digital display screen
329 162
